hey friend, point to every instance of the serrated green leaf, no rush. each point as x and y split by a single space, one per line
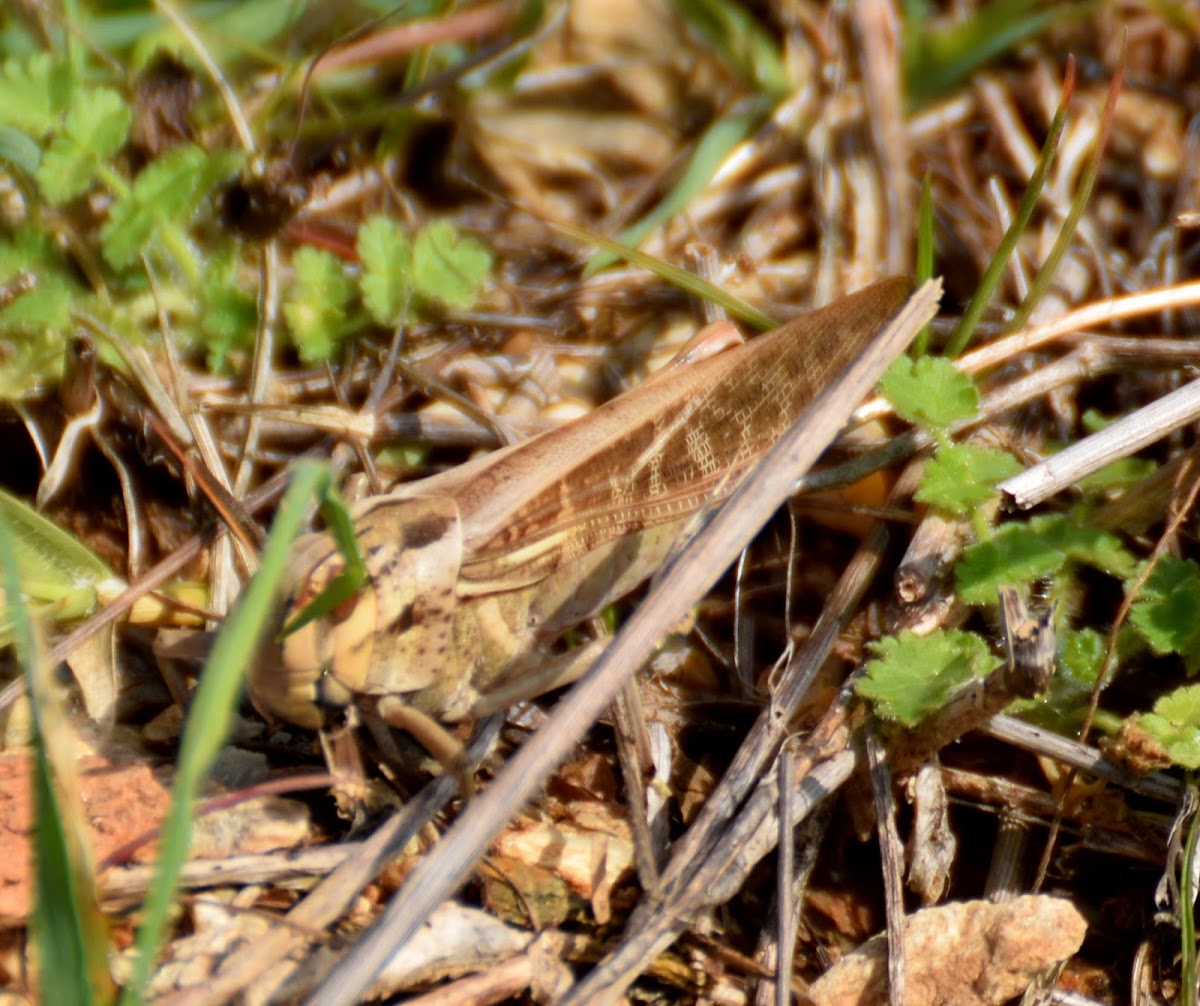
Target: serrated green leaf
47 305
1175 724
929 391
1181 706
911 676
449 267
386 255
960 477
33 93
229 314
166 192
36 325
94 129
1021 552
1081 655
1166 608
1015 555
315 304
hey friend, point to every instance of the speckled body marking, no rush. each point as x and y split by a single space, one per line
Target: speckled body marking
474 572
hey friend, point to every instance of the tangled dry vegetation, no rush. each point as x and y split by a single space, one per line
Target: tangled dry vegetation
240 235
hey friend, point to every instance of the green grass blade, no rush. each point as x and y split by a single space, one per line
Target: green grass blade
354 571
710 152
734 306
1187 906
212 711
938 60
965 328
65 928
57 920
743 43
1083 195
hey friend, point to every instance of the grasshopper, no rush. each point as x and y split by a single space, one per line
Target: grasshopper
473 573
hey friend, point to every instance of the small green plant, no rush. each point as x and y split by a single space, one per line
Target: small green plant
439 267
1165 610
908 678
65 133
1049 551
401 278
1164 617
68 132
315 304
1175 724
909 675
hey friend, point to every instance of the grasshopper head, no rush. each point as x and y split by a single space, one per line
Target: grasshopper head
386 638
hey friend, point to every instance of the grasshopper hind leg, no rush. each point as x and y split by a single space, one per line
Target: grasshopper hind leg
431 735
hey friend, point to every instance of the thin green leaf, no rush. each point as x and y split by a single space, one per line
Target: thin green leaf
1190 960
354 570
750 49
255 22
938 60
1083 194
709 154
920 345
213 707
64 924
965 328
734 306
229 30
